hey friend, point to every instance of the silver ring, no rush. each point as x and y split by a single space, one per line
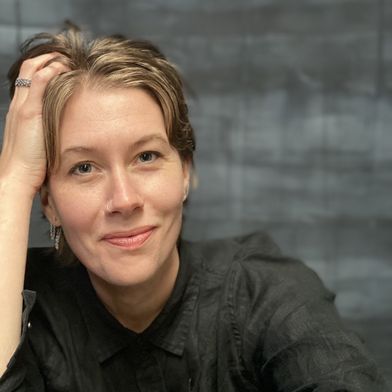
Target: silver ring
19 82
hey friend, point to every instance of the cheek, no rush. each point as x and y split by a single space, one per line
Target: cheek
78 207
164 192
75 208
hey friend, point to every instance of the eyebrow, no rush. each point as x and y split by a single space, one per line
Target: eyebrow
139 143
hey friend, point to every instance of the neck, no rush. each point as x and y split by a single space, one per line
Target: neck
136 307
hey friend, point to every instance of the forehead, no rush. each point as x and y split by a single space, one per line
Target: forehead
110 113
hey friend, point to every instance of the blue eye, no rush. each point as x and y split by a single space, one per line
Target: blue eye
82 168
148 156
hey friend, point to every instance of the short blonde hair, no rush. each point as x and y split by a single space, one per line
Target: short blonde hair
108 62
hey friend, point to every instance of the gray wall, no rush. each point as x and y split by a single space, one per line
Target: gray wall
292 103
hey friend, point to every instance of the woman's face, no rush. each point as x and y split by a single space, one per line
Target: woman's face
120 186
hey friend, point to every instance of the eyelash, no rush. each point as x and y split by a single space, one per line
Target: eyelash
74 169
157 155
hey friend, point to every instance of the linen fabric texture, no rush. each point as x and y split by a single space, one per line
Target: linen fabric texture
241 317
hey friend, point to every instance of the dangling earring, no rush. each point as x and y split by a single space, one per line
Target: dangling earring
55 234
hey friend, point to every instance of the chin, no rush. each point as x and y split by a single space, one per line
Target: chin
126 272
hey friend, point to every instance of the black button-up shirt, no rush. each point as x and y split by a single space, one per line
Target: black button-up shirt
241 317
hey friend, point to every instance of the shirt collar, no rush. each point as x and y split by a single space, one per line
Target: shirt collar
170 328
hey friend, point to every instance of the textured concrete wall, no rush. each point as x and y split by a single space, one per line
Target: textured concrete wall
292 103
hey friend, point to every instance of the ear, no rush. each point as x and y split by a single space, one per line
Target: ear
48 206
187 171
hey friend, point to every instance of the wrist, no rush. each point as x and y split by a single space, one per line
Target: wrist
17 187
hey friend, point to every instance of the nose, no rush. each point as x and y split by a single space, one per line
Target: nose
124 195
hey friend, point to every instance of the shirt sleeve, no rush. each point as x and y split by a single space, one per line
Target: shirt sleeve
22 372
303 346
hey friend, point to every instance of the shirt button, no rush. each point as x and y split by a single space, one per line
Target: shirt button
29 325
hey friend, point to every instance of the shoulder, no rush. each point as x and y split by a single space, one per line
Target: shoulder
44 271
219 255
257 279
255 259
56 288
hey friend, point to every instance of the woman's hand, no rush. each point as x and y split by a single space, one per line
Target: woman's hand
23 158
22 172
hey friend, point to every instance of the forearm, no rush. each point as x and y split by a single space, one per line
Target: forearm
15 210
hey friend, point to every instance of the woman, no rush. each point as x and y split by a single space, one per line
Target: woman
100 129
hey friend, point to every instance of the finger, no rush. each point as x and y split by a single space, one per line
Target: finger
28 68
33 103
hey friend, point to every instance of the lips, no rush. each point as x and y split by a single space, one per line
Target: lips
133 239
